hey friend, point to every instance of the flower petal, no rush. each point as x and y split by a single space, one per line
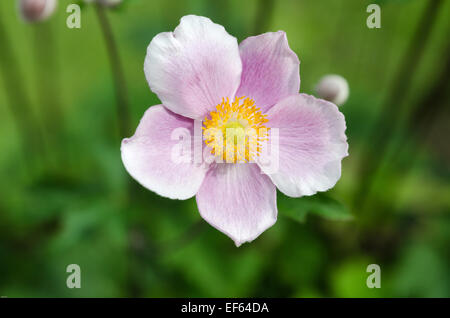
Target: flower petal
270 69
312 144
238 200
149 156
194 67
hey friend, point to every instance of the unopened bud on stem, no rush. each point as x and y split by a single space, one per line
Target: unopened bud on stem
333 88
36 10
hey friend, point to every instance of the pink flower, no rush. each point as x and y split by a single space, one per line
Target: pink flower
200 74
36 10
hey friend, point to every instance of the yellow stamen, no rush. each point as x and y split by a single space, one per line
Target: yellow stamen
235 131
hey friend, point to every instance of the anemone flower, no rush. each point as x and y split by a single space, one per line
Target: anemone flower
201 75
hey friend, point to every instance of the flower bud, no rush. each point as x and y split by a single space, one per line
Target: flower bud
333 88
110 3
36 10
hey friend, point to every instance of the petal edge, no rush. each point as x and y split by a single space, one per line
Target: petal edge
147 155
194 67
312 144
270 69
238 200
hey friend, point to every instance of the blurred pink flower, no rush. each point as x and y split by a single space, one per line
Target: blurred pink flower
36 10
197 71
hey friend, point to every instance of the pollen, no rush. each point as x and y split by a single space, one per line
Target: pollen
236 131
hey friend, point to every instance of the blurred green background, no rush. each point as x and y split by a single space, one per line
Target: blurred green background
65 197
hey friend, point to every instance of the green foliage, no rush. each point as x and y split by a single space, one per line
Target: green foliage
319 204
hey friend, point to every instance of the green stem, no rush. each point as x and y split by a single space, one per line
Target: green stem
47 83
18 100
263 16
123 118
391 110
419 123
123 115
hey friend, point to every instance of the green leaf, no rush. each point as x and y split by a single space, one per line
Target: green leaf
319 204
